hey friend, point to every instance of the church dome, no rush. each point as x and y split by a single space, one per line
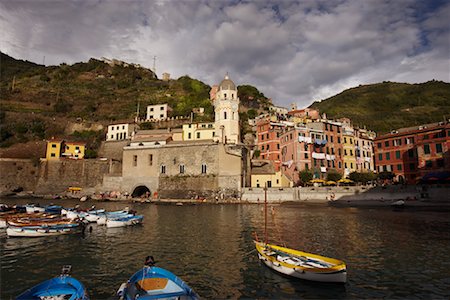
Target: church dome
227 84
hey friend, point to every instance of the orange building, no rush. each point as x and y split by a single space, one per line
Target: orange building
410 153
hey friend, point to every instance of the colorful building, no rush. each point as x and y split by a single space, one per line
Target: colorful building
57 148
268 141
120 132
410 153
264 175
198 131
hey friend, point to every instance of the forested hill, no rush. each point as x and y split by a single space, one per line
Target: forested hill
385 106
38 102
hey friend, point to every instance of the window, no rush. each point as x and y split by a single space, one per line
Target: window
412 167
198 135
339 140
189 136
388 156
306 166
426 149
53 145
379 145
411 153
203 168
331 138
151 109
134 160
123 127
161 116
397 154
386 144
112 136
161 108
278 146
150 159
439 148
163 169
351 141
345 165
224 115
340 164
351 152
351 165
151 116
306 155
399 167
345 151
380 157
53 155
181 169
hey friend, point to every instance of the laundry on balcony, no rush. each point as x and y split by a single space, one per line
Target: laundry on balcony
318 155
323 169
330 157
320 142
288 163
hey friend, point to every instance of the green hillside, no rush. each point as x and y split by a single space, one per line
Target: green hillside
38 102
386 106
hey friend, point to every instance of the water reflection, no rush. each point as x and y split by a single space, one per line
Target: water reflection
388 254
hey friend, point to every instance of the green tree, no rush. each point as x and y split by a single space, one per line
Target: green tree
305 176
333 175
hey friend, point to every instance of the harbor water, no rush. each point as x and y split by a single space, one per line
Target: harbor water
394 254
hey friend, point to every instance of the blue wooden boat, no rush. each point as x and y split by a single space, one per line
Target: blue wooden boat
155 283
61 287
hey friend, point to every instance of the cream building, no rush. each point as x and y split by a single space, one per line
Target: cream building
157 112
198 131
226 108
120 132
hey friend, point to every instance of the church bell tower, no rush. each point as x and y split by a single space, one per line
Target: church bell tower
226 108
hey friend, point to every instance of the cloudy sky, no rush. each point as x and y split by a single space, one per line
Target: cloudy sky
292 51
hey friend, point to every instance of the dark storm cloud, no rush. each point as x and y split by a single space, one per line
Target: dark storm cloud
293 51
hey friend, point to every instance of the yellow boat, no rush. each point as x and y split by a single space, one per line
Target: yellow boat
297 263
301 264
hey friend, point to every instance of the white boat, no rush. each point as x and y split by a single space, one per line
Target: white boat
126 221
72 214
112 215
31 208
297 263
38 232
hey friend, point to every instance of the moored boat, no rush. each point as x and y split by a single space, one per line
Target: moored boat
113 215
33 208
297 263
301 264
41 231
61 287
124 221
155 283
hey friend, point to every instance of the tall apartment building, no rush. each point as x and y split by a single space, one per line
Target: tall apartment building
412 152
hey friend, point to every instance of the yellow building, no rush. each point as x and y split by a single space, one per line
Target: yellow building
349 154
198 131
74 150
54 149
60 148
263 174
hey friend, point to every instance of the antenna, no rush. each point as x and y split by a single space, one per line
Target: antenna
137 111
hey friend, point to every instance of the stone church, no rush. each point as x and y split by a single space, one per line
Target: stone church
187 169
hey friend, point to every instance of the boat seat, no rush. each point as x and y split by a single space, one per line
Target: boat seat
150 284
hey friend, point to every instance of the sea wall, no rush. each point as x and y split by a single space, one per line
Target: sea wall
18 174
57 176
351 193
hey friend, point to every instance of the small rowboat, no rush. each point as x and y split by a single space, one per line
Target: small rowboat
112 215
41 231
297 263
124 221
155 283
61 287
301 264
31 208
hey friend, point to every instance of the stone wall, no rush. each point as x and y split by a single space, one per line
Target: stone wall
324 194
17 174
187 187
112 149
57 176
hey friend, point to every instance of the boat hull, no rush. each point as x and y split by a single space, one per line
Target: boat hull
56 288
38 232
302 265
134 220
155 283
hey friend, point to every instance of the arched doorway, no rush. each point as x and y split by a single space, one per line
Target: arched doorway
140 191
